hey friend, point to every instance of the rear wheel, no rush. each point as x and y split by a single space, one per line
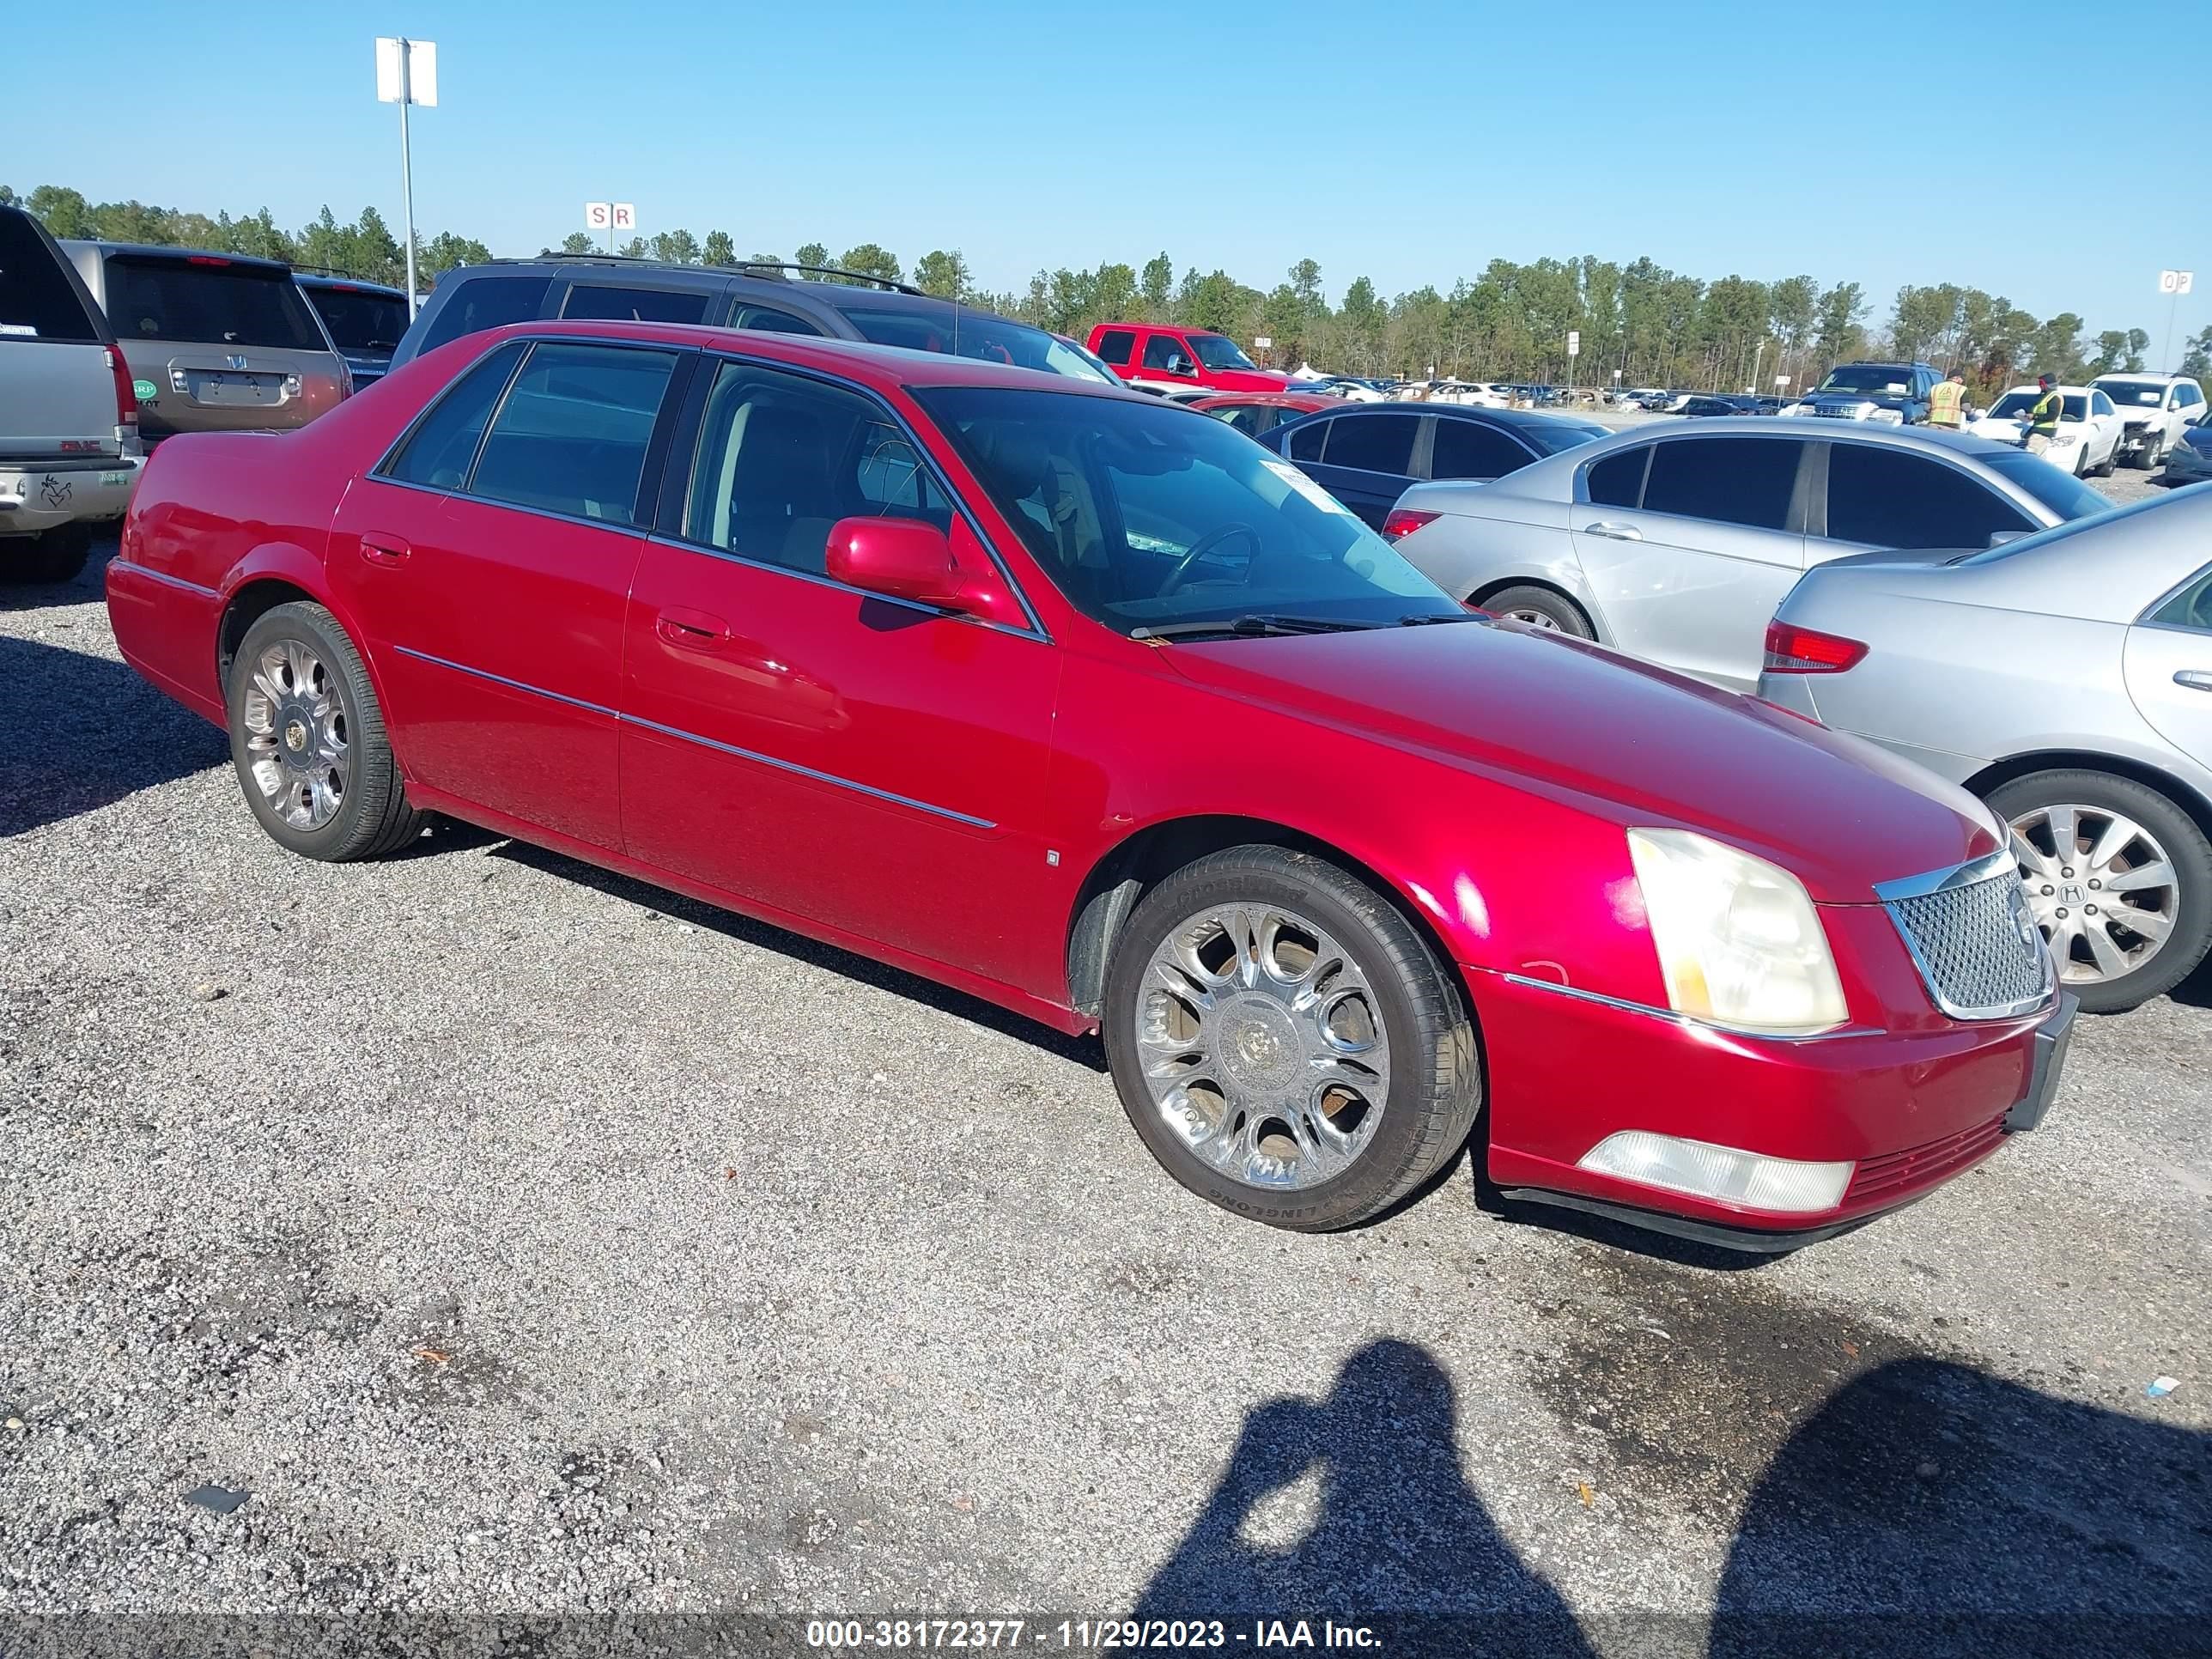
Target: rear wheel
54 555
307 741
1541 607
1285 1042
2119 879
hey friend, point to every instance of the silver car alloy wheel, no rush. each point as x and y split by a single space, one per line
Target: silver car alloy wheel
1262 1046
2099 886
295 735
1534 617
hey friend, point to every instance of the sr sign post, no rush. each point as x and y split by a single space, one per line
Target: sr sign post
1574 351
606 218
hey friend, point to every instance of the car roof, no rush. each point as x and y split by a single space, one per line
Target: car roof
879 367
350 284
152 251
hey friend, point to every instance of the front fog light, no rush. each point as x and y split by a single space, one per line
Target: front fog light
1738 940
1720 1173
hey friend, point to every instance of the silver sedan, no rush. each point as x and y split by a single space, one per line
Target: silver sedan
1676 543
2065 678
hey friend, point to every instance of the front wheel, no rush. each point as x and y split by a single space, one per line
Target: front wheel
2111 460
306 738
2119 879
1285 1042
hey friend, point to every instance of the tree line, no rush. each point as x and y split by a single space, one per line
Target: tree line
1649 324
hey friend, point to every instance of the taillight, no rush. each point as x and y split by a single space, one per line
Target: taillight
126 397
1404 521
1794 650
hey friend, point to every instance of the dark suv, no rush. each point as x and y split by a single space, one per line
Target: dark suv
1895 394
779 298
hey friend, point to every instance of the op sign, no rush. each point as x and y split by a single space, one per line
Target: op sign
2175 282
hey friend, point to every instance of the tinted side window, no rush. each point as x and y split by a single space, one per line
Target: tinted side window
37 302
444 442
772 321
2191 608
1468 449
1887 498
1618 480
1162 347
572 435
482 302
2100 404
1377 443
1746 481
1114 345
635 305
782 458
1306 441
2187 397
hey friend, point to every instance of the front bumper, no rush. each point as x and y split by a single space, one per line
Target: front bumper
1909 1107
2185 464
42 495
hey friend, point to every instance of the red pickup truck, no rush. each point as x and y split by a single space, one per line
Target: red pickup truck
1162 359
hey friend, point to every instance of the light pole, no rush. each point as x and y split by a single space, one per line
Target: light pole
407 73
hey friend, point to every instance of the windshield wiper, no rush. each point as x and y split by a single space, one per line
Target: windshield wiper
1252 626
1427 617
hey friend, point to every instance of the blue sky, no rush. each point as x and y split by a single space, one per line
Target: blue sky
1409 140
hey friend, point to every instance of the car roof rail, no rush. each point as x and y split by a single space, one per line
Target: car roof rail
745 266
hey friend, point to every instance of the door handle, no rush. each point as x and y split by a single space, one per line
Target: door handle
384 549
1616 532
691 630
2195 678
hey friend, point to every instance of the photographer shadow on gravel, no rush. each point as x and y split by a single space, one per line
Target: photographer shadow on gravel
79 732
1929 1509
1398 1532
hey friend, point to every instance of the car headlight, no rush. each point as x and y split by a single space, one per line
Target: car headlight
1887 416
1738 942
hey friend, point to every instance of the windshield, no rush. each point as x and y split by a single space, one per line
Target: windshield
1086 360
1881 379
1145 514
359 320
1219 351
2142 393
959 332
1549 437
2061 491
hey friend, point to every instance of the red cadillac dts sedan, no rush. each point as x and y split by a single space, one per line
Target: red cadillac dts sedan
1087 705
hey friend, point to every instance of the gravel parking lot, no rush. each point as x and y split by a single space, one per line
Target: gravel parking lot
508 1237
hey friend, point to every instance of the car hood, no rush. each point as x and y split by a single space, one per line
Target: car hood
1622 741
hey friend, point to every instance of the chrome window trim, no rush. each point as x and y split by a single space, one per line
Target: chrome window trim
1972 874
381 470
1685 1020
755 755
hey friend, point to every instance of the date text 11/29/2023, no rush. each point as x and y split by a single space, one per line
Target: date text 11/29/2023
1087 1635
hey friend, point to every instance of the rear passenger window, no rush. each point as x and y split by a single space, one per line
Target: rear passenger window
482 302
37 302
572 435
444 442
1468 449
1745 480
769 320
1374 443
635 305
1618 480
1886 498
782 457
1114 345
1306 441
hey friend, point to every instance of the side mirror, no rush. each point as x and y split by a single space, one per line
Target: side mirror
1179 364
912 559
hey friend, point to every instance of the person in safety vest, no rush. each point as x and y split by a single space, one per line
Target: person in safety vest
2043 419
1946 401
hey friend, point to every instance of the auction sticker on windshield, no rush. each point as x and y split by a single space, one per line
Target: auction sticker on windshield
1307 488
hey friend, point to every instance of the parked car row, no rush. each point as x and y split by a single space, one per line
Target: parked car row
1091 706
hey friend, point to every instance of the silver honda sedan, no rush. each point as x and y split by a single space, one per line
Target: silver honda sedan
2066 678
1675 544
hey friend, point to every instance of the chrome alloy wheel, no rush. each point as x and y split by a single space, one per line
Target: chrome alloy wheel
2099 886
1262 1046
1534 618
295 735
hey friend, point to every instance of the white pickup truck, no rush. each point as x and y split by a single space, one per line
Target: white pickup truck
69 411
2157 408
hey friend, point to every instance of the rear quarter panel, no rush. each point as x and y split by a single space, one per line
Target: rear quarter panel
1476 544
